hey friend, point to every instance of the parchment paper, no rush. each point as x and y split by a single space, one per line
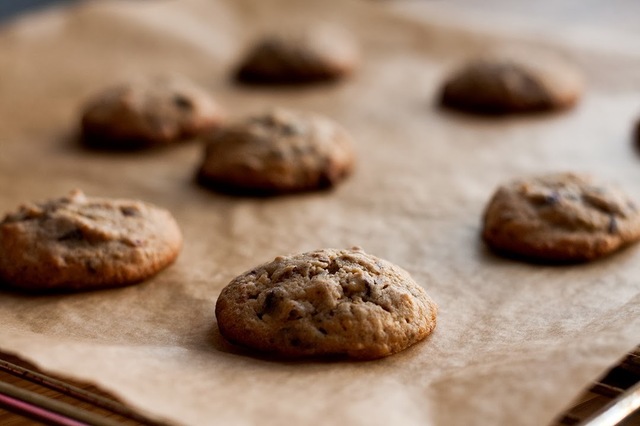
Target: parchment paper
514 342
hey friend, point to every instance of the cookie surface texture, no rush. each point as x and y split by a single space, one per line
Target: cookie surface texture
318 54
148 112
81 243
510 83
560 217
326 303
277 152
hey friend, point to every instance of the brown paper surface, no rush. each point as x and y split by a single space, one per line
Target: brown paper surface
514 342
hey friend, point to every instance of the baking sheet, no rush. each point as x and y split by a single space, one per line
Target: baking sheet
514 342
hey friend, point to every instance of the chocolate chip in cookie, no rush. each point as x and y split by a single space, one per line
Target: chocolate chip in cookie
560 217
316 54
148 112
512 83
277 152
82 243
326 303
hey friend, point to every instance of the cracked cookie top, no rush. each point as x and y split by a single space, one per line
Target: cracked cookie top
315 54
326 303
511 83
77 242
561 217
277 152
148 112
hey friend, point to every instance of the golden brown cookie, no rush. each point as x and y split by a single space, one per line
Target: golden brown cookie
80 243
326 303
560 217
316 54
148 112
277 152
512 83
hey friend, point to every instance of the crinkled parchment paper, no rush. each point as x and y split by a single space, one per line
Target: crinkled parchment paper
514 343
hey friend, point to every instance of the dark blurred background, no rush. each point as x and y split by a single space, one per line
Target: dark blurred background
11 8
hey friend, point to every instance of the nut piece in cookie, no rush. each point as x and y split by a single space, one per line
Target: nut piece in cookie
82 243
277 152
318 54
560 217
326 303
512 83
148 112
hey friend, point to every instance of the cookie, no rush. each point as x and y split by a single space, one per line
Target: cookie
277 152
342 303
81 243
314 55
512 83
560 217
148 112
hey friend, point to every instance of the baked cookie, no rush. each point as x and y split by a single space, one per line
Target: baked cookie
80 243
277 152
146 113
560 217
326 303
512 83
317 54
